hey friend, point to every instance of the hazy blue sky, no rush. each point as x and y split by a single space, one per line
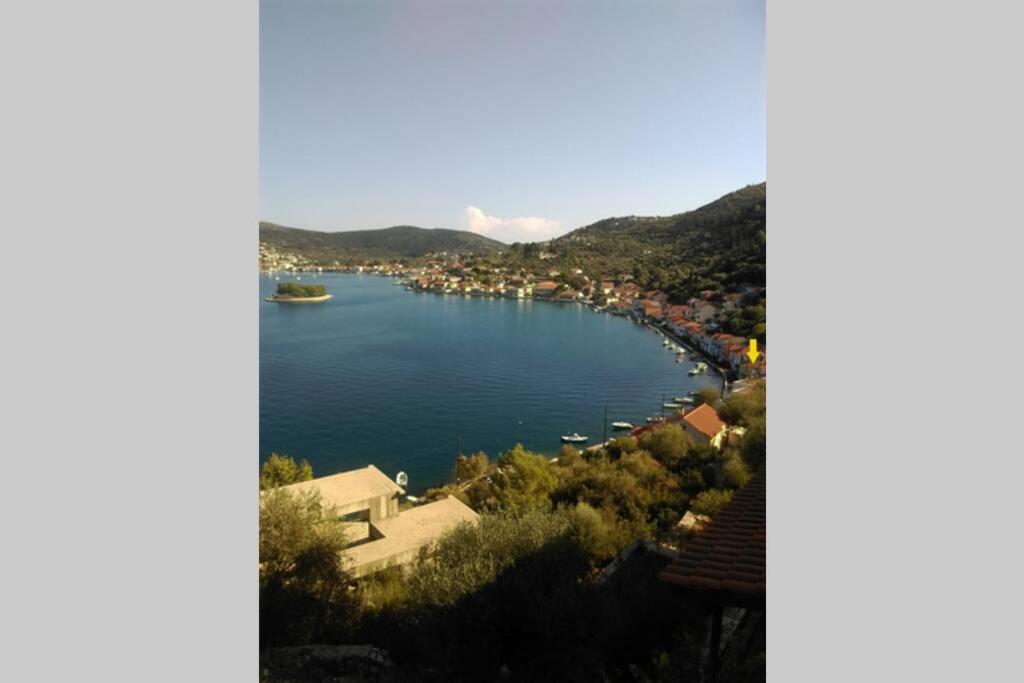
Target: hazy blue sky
517 119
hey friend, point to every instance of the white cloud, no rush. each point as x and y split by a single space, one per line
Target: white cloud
525 229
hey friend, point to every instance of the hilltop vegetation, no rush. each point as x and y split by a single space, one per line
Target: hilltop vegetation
358 246
720 246
297 291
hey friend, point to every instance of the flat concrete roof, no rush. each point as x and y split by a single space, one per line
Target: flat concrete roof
349 487
412 529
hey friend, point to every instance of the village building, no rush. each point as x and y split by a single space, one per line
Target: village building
545 289
704 426
649 308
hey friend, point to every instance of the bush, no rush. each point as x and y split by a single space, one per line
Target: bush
472 556
303 583
568 455
294 289
622 445
598 532
523 481
691 479
710 395
471 466
669 444
742 408
735 473
281 470
710 502
754 443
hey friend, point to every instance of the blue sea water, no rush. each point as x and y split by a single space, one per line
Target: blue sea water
386 376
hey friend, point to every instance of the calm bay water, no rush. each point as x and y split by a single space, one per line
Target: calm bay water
385 376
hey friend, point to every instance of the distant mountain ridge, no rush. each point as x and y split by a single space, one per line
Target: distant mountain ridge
718 245
745 205
398 242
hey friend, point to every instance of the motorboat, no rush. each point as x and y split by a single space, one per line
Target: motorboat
654 418
688 400
622 425
673 406
574 438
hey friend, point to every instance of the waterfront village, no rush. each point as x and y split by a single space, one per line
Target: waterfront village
673 509
697 323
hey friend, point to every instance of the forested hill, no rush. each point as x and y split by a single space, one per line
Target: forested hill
399 242
720 246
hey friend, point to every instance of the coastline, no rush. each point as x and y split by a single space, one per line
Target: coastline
297 300
727 375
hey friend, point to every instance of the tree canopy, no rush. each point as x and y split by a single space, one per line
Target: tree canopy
281 470
303 582
295 290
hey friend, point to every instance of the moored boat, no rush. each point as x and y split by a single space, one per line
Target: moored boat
574 438
622 425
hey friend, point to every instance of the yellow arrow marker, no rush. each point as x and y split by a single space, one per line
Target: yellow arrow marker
752 354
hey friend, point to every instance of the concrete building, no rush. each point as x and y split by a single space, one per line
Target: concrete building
398 540
379 536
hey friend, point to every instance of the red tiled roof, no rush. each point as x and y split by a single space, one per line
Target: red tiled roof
650 307
727 559
705 420
546 285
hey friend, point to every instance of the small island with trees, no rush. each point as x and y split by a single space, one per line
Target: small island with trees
294 293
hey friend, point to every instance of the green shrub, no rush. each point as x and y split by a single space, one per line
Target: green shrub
710 502
281 470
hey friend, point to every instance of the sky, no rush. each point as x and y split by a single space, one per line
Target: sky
520 120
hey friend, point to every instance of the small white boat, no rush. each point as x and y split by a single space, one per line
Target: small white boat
574 438
693 371
688 400
666 342
654 418
622 425
673 406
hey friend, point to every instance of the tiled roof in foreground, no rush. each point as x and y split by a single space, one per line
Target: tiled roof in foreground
726 561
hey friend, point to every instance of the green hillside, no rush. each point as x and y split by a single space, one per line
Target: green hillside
399 242
718 246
